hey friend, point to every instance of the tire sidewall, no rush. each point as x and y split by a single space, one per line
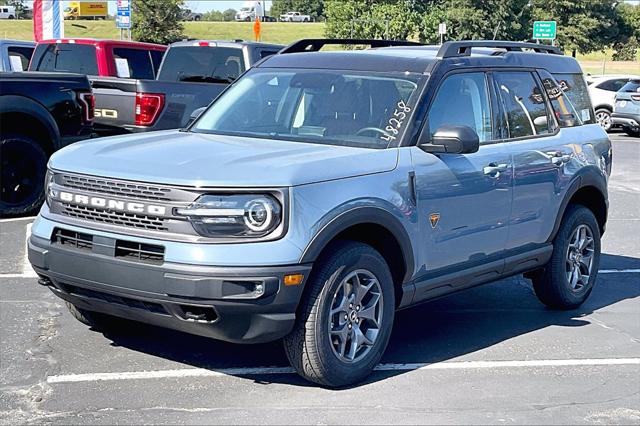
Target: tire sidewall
340 370
605 111
34 202
577 216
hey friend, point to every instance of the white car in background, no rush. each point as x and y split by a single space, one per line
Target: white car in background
602 90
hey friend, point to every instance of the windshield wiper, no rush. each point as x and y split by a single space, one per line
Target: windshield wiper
206 79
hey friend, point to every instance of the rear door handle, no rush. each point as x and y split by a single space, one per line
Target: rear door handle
495 169
558 158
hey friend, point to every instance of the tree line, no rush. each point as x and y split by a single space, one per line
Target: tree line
583 25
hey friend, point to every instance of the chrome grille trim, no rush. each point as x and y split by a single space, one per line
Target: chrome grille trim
114 187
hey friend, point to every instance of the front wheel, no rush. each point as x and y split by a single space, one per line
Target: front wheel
346 317
568 279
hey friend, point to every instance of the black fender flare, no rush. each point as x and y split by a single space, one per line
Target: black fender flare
23 105
358 216
588 176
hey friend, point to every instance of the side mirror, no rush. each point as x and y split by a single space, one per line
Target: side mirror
452 140
195 114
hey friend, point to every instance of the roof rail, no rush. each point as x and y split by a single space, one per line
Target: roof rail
452 49
315 44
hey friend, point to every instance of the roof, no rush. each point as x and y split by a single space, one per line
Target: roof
104 42
25 43
225 43
419 59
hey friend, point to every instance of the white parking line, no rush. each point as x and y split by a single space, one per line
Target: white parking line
18 219
27 270
619 271
463 365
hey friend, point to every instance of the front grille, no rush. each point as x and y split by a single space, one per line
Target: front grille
138 252
76 240
112 187
118 300
132 220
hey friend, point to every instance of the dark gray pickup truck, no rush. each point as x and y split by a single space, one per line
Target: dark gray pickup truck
192 74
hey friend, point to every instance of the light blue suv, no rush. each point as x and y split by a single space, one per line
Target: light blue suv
322 191
626 111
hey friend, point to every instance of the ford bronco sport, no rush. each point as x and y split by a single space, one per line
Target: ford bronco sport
324 190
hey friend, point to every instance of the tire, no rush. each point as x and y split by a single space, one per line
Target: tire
97 321
603 118
553 285
85 317
309 347
23 165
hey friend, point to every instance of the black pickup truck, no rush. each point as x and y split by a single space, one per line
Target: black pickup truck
191 76
39 114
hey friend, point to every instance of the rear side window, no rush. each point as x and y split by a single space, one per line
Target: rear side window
575 87
612 85
565 113
202 64
65 57
133 63
19 57
267 53
523 103
463 100
631 87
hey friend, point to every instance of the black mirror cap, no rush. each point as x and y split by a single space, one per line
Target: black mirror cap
453 140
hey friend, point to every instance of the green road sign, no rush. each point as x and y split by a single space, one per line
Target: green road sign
544 30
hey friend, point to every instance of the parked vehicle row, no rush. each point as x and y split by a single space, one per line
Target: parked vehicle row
325 190
603 89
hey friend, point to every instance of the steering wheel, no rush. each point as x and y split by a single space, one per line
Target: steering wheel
371 129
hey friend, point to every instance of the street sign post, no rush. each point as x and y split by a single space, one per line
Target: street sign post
123 16
442 30
544 30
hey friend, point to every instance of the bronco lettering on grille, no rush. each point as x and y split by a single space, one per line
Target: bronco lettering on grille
117 205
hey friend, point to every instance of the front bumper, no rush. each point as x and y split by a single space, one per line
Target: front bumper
202 300
626 120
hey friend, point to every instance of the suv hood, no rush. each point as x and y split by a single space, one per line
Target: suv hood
195 159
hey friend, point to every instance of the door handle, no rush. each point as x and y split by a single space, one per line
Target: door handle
494 169
558 158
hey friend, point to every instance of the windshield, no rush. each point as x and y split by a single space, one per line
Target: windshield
202 64
330 107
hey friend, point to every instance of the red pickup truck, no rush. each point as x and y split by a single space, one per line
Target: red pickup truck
104 58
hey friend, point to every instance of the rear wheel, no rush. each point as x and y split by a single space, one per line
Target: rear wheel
345 319
603 117
23 165
568 279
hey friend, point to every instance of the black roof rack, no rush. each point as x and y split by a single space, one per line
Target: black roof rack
315 44
452 49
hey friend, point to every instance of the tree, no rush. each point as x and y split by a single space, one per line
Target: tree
583 25
313 8
158 21
476 19
229 15
213 15
626 47
371 19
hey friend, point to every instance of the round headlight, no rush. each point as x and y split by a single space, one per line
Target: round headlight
259 214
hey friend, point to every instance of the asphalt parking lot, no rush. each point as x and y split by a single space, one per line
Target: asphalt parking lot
492 354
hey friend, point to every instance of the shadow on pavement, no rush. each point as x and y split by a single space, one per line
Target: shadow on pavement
435 331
